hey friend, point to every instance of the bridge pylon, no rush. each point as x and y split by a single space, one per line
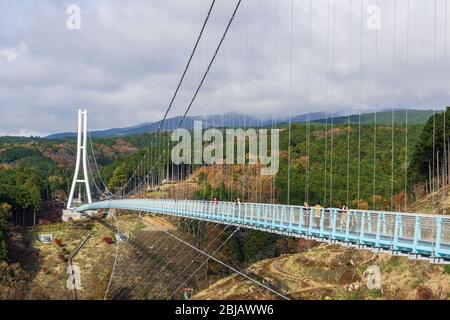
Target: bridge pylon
81 161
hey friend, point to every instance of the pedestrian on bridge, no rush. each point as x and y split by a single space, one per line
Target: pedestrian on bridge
215 204
344 213
306 209
238 206
317 212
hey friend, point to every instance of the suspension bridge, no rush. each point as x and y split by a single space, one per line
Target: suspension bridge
416 235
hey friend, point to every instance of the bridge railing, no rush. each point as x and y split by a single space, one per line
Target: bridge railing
403 232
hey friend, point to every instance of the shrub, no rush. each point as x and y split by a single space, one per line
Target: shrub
3 250
447 269
36 255
59 242
395 264
108 240
374 294
353 296
424 293
415 283
62 255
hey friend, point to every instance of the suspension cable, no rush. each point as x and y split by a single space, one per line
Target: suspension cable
332 97
161 270
406 112
205 74
308 85
116 256
375 124
140 267
193 52
199 267
228 266
360 100
348 112
394 79
211 62
96 166
291 50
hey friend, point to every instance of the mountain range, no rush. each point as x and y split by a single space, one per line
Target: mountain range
246 121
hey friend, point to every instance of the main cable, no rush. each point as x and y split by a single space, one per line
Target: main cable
180 82
228 266
211 62
205 74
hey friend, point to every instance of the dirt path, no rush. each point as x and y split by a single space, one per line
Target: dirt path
277 267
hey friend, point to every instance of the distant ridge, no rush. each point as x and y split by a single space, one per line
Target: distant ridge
229 119
242 120
384 117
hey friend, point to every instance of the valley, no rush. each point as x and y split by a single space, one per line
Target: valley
153 265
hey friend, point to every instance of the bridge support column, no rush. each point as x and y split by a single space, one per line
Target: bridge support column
300 220
333 221
347 226
322 217
81 160
416 234
361 232
266 213
378 236
438 236
311 221
396 231
291 217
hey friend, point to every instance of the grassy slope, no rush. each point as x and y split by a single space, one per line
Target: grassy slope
332 272
47 274
437 202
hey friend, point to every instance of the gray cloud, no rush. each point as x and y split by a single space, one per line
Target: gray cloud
124 63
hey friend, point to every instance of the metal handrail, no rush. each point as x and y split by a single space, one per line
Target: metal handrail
397 231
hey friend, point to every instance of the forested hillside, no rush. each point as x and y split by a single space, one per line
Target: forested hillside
361 165
343 161
345 164
400 117
431 154
35 170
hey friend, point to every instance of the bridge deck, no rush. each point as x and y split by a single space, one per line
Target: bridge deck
418 234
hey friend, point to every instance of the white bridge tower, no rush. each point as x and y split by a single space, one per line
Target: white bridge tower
81 159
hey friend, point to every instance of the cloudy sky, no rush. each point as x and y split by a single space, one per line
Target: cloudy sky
124 62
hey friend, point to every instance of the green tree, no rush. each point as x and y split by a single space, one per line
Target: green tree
5 212
431 138
119 177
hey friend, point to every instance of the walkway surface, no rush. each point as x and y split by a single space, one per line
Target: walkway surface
418 235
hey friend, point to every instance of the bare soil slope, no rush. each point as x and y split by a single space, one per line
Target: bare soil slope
438 200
